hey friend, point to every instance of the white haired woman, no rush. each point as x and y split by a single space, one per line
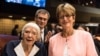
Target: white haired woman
28 45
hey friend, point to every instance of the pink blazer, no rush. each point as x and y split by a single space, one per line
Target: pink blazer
79 44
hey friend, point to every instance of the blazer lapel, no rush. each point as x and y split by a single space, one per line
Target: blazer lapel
35 49
20 52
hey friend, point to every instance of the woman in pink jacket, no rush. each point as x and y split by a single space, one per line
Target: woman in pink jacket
70 42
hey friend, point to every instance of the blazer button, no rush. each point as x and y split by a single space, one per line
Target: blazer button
68 47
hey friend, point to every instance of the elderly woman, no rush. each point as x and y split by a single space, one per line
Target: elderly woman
28 46
70 42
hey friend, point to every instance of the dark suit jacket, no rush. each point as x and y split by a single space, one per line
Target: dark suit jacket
9 49
97 45
45 32
46 44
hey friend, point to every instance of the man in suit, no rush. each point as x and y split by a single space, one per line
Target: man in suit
41 18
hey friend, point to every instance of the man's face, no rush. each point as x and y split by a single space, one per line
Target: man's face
41 20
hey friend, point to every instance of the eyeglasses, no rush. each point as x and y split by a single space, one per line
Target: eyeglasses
68 16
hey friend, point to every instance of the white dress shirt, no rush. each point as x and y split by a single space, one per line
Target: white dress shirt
42 35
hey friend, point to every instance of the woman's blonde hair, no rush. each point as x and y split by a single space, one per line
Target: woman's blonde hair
35 26
66 8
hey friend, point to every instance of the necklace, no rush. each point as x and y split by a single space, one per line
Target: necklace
67 33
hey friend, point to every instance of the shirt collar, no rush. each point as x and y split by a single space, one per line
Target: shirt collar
20 51
42 30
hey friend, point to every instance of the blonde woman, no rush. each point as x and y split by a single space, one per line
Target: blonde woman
70 42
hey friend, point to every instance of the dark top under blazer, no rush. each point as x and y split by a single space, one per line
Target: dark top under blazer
9 49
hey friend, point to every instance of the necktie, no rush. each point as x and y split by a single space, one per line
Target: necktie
41 36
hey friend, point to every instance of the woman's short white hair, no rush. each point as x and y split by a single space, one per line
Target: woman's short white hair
35 26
